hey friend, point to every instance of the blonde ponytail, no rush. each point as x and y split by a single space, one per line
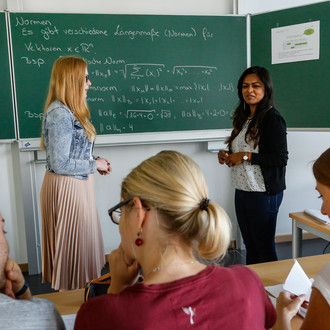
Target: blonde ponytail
174 184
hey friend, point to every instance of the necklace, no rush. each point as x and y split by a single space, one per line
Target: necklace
156 269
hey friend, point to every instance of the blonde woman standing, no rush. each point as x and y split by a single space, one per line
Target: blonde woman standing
167 222
72 245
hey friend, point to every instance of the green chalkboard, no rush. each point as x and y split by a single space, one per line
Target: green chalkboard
7 131
149 73
301 88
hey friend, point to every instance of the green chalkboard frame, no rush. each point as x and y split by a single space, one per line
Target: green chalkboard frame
301 88
197 65
7 132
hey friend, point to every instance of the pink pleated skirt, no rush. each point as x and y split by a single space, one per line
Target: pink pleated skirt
72 244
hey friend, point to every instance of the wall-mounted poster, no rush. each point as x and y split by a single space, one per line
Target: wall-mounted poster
295 43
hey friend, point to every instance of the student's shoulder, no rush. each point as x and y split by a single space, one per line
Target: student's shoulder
97 303
323 277
58 111
325 271
31 313
238 278
238 271
33 305
273 120
40 304
58 107
272 113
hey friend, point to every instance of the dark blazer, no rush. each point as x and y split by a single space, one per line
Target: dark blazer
273 152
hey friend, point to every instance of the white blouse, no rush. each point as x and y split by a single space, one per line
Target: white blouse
322 282
245 176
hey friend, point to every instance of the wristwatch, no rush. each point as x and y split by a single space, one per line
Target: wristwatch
246 156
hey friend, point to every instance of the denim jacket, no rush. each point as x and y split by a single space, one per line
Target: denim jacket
67 147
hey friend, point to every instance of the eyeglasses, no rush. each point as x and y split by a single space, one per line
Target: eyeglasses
115 212
87 78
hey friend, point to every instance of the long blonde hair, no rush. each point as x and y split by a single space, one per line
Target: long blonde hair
67 86
174 184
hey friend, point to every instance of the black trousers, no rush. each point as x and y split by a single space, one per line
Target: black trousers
256 214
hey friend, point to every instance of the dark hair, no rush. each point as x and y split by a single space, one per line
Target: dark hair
242 111
321 168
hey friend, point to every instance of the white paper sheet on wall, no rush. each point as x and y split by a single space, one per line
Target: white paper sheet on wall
294 43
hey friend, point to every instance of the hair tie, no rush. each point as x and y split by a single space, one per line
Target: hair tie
204 204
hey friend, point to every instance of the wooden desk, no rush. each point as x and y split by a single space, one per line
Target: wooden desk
272 273
66 302
275 272
302 221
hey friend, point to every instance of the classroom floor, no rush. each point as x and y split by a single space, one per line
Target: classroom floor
310 247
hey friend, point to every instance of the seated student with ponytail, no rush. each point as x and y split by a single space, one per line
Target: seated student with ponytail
167 224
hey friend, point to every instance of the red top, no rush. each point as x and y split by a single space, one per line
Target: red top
216 298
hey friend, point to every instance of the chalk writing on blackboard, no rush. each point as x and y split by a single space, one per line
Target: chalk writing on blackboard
148 73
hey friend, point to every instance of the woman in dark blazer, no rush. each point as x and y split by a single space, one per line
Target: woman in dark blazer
258 157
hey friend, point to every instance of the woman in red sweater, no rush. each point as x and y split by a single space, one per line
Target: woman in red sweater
168 225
